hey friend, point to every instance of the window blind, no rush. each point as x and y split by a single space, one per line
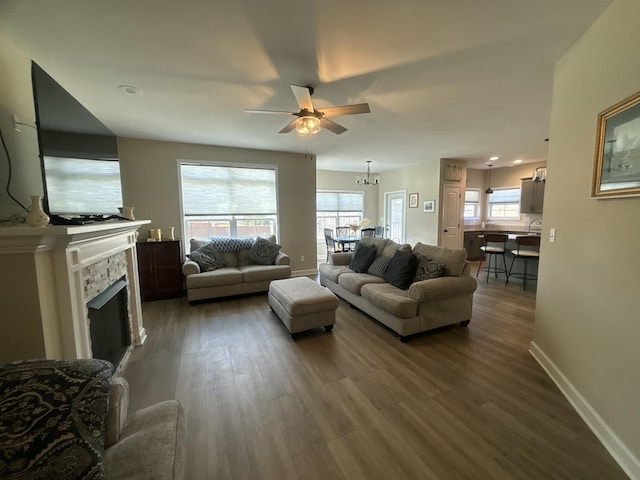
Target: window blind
506 195
221 190
339 201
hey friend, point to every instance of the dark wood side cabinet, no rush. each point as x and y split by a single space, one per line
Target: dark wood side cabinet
159 269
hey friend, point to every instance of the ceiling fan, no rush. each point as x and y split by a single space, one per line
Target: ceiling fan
310 120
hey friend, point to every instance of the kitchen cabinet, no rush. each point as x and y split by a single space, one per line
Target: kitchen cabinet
159 269
472 243
531 196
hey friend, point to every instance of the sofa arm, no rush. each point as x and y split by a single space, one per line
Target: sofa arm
340 258
190 267
442 287
118 411
282 259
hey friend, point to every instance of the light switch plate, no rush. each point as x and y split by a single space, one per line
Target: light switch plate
552 235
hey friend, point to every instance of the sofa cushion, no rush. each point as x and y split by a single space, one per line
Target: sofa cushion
392 247
332 272
353 282
428 268
263 252
362 257
222 276
52 418
379 266
380 243
401 270
259 273
453 258
151 446
390 299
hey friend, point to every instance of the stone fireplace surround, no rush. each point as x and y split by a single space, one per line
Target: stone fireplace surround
47 276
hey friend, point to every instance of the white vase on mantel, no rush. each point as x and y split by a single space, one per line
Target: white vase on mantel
36 216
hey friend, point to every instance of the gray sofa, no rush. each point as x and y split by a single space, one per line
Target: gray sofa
425 305
239 275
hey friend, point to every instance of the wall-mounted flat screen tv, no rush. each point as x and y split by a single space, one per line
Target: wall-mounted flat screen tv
78 156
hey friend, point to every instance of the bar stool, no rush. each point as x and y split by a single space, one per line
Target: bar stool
530 252
493 247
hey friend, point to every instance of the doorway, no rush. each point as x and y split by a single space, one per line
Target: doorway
395 215
451 235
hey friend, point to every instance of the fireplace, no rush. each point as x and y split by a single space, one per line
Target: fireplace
109 323
51 274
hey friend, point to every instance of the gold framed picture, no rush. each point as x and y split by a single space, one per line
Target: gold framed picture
413 200
616 171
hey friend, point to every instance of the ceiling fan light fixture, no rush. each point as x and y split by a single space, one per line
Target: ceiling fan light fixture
308 125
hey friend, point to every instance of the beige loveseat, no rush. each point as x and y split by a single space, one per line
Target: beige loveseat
425 305
239 275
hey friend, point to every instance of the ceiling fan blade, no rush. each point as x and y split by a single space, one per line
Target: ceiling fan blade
303 97
249 110
290 126
345 110
332 126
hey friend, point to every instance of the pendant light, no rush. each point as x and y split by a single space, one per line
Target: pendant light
489 190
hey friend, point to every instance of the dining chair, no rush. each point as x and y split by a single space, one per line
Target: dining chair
332 245
494 246
367 232
531 251
343 231
379 231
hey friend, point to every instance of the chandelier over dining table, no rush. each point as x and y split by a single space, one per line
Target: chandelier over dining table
366 178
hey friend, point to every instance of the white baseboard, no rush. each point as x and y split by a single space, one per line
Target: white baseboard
304 273
618 450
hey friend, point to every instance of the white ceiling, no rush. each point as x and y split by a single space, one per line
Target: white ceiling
444 78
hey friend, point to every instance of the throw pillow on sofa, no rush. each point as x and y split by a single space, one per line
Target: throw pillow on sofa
401 270
263 251
428 268
363 257
208 258
379 266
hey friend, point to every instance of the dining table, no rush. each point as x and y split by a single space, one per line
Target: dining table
347 242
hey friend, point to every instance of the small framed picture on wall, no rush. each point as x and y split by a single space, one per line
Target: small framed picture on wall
429 206
413 200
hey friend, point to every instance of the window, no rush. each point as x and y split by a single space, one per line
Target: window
225 201
335 209
504 204
471 204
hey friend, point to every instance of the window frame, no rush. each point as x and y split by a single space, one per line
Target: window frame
476 204
232 222
512 203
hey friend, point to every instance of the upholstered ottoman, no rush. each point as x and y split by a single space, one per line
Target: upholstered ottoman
302 304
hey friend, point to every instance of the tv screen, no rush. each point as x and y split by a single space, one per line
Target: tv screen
80 186
78 155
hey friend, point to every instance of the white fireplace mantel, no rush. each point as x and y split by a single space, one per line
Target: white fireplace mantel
44 313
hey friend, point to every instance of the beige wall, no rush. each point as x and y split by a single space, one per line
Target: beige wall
588 303
16 97
150 183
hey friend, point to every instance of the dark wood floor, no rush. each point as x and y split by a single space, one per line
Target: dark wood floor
460 403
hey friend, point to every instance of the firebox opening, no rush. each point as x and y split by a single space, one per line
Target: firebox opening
109 323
